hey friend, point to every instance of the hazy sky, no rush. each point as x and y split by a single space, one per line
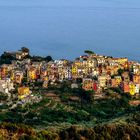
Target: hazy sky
64 29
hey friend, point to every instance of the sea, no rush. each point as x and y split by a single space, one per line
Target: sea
64 29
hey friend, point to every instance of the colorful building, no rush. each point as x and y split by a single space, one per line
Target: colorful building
126 87
23 92
32 74
102 80
88 84
136 79
132 89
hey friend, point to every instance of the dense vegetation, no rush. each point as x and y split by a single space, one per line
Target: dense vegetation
73 106
110 131
6 58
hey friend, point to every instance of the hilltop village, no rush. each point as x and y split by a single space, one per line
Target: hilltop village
24 74
90 97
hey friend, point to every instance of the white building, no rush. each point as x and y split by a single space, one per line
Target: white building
137 88
6 86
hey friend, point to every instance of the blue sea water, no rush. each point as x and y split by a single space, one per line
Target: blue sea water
64 29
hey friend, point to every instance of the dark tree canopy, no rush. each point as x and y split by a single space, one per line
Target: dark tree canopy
89 52
6 58
25 49
120 71
48 58
39 58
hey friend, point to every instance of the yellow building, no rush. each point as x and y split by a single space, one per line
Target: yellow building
32 74
118 80
123 60
120 60
12 76
132 88
74 69
23 92
46 78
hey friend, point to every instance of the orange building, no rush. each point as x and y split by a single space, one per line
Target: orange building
113 83
126 87
136 79
23 92
126 76
88 84
118 80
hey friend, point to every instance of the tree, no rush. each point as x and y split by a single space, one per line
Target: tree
24 80
25 49
95 78
6 58
48 58
3 96
89 52
37 58
87 96
120 71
